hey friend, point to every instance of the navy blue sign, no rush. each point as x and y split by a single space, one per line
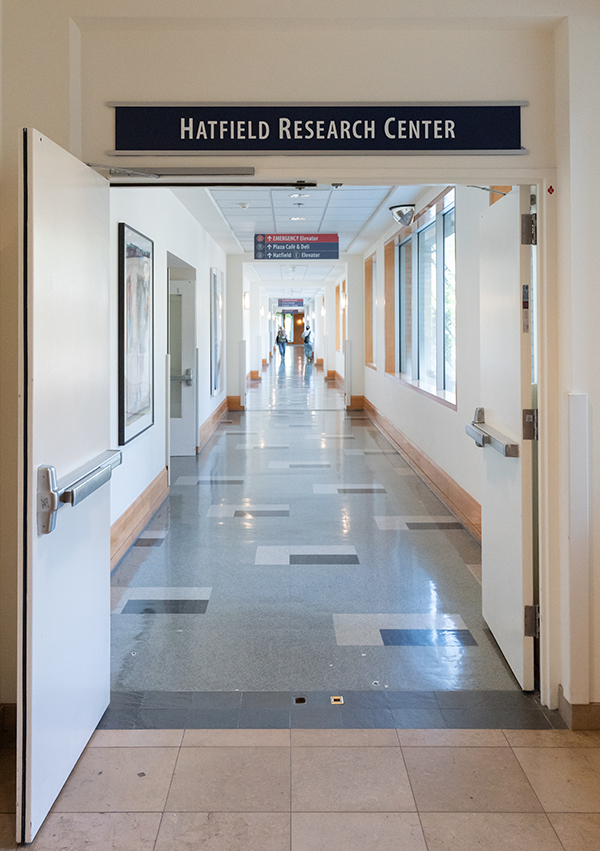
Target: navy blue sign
319 129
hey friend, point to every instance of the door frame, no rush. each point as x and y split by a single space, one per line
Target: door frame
391 172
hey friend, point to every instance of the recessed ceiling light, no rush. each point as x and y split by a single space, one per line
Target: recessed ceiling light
299 195
297 218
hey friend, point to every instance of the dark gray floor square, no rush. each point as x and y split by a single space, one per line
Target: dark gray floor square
250 513
365 717
167 700
324 559
266 700
316 718
411 700
216 700
165 607
428 526
427 638
361 490
149 542
492 719
419 719
496 700
264 719
162 719
212 719
219 482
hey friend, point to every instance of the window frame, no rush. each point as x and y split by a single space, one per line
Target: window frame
400 366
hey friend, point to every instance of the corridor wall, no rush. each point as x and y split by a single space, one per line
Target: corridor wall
162 217
436 429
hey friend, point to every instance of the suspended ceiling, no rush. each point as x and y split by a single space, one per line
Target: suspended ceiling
359 214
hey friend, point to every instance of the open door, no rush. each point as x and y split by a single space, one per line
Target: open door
506 390
182 351
65 588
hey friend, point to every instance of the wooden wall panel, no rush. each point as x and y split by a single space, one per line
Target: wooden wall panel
495 196
369 310
464 507
125 530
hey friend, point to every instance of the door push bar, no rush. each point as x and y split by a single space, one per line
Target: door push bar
52 494
483 434
188 377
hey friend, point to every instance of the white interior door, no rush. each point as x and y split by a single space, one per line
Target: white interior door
182 350
507 523
65 588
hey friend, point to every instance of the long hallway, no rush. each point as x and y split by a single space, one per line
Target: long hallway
297 558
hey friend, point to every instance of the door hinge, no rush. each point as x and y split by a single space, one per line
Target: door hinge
530 424
529 229
531 621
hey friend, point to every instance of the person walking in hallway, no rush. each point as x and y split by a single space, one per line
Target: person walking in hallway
308 349
281 341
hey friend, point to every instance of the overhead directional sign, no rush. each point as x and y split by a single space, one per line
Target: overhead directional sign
296 246
290 302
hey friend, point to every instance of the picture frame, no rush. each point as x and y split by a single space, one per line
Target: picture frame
217 316
136 333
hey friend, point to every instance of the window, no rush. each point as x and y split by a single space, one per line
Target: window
449 303
425 295
427 302
337 317
406 307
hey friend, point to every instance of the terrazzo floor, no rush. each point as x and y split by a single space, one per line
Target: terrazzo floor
285 598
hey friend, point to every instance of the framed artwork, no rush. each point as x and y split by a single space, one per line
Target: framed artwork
216 331
136 333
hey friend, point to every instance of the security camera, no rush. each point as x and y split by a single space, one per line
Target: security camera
403 213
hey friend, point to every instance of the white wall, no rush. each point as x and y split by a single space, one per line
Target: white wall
160 216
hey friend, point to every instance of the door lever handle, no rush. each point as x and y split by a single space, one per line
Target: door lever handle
484 434
188 377
52 494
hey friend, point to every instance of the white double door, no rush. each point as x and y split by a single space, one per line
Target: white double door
184 368
65 583
508 526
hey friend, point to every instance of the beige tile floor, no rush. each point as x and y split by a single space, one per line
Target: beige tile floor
311 790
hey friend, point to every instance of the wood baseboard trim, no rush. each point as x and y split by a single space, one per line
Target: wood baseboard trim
319 362
8 717
253 375
125 530
464 507
357 403
234 403
331 375
578 716
265 362
209 425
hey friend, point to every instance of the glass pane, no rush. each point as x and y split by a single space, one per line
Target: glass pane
175 319
427 305
449 304
406 308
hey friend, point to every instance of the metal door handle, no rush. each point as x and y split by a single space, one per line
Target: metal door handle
188 377
52 494
483 434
